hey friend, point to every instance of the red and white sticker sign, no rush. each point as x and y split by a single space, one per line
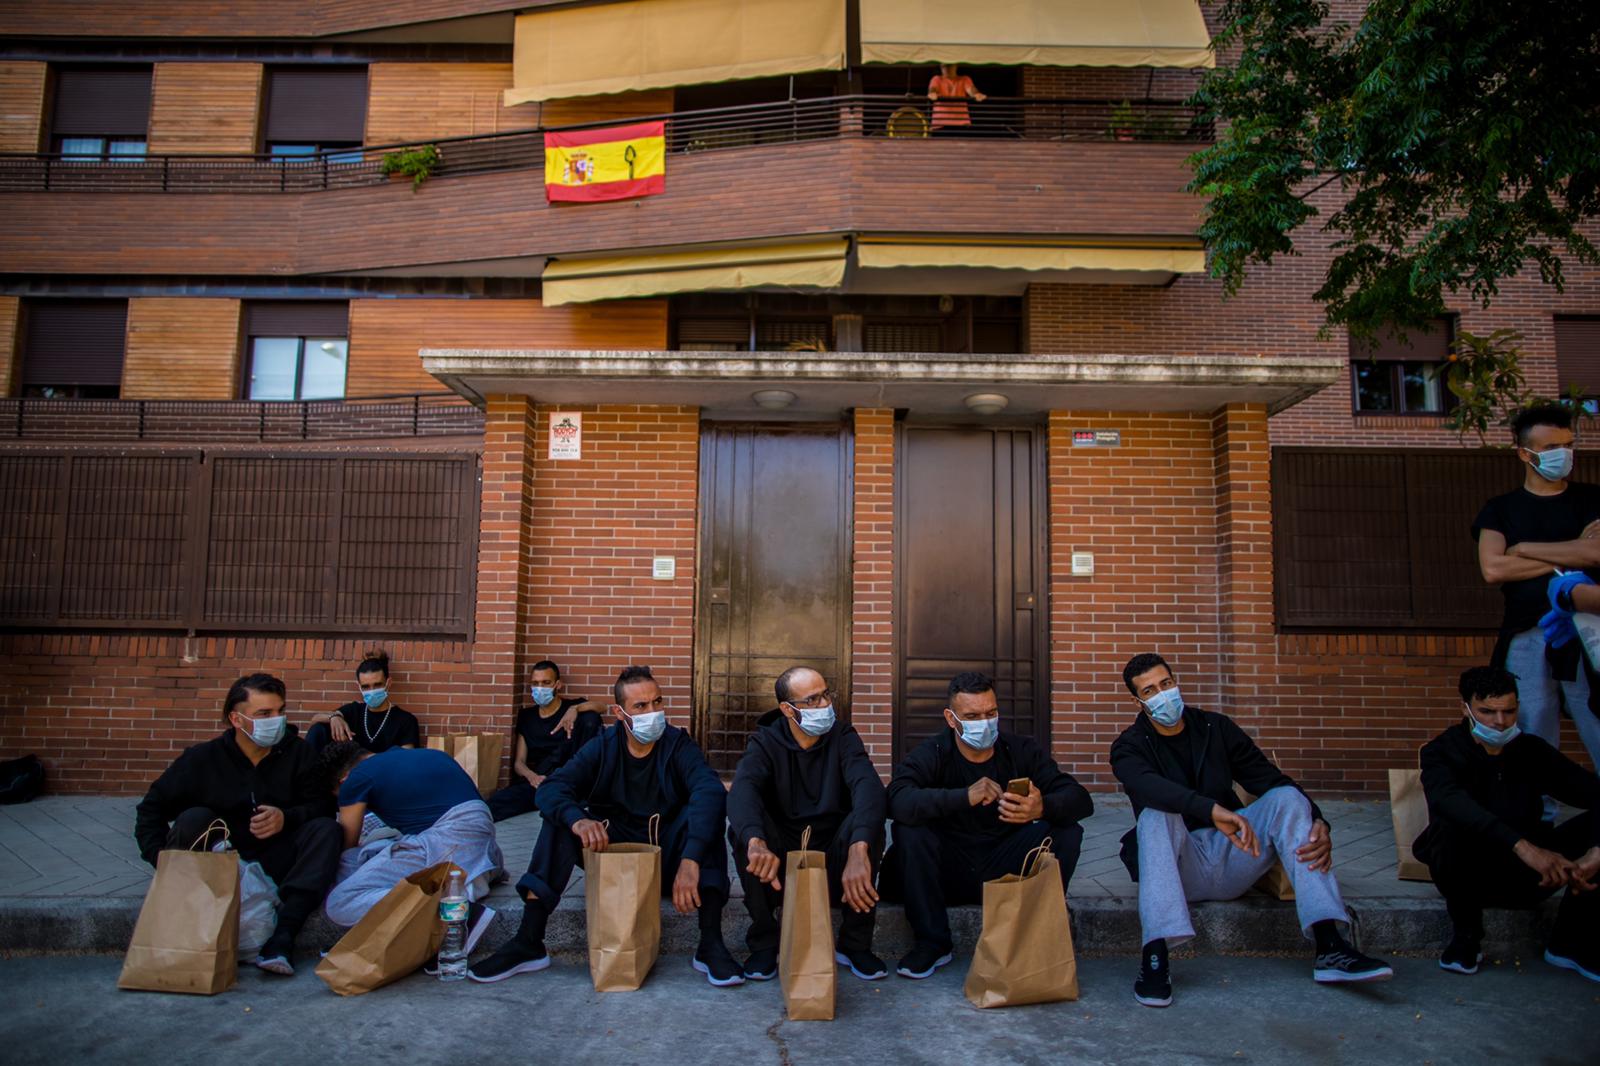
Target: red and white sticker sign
566 435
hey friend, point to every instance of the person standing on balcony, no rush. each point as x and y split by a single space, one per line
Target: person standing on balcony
1550 524
949 92
374 721
548 734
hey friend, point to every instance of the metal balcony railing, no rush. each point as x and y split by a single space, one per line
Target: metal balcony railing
429 414
907 118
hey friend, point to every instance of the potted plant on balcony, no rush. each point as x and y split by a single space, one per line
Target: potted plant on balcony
1124 122
418 164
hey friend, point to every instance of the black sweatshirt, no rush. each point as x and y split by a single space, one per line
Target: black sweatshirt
1224 754
828 786
218 775
930 787
1500 797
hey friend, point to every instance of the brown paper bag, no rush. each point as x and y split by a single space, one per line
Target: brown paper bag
1024 953
477 753
187 935
1275 882
1408 806
391 940
806 967
622 902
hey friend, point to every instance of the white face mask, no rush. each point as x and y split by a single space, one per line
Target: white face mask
543 695
1166 707
1552 465
980 734
815 721
266 732
647 728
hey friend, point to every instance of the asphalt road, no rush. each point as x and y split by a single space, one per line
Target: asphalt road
1227 1010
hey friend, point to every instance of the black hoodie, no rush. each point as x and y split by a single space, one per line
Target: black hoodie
1224 753
830 786
218 775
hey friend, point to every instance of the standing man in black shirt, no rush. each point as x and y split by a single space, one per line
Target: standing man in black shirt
374 721
804 769
637 768
957 826
1548 524
549 732
1487 843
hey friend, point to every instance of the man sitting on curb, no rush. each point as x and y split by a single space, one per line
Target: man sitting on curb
264 782
607 792
548 734
1195 840
955 824
433 803
1487 844
803 768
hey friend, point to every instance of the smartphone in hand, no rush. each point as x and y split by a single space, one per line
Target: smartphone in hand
1018 786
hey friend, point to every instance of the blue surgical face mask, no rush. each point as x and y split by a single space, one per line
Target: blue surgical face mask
542 695
1166 706
1495 738
266 732
1553 465
647 728
374 697
815 721
980 734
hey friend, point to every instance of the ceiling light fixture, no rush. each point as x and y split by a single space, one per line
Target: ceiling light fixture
986 403
773 399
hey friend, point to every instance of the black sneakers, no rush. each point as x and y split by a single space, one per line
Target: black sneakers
714 960
1583 965
509 961
864 964
1461 955
1345 965
1154 986
275 954
921 961
761 965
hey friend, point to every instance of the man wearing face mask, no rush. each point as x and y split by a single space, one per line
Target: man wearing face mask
1549 524
639 767
548 734
1487 843
374 721
1194 839
803 768
956 825
264 782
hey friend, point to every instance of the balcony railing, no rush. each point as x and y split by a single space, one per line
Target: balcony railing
907 118
440 414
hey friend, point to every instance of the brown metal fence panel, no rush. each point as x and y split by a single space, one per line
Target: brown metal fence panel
381 543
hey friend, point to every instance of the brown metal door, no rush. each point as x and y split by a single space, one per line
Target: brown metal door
774 573
970 540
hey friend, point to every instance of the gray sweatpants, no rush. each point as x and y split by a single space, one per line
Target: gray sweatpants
1541 699
1177 867
464 835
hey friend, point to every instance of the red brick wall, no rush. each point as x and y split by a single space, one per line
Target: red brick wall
872 586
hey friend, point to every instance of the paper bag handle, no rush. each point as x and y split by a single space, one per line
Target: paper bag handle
216 823
805 846
1031 860
654 832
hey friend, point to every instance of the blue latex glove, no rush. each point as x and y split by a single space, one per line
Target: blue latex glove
1560 589
1558 628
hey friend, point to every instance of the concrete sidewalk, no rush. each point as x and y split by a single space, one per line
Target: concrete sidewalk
71 881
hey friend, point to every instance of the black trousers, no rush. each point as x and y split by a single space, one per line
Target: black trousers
1473 872
302 862
932 869
516 798
762 901
557 851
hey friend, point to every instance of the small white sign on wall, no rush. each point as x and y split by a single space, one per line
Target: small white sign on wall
566 435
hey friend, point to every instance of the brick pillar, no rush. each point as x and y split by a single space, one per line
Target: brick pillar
872 586
1242 460
509 443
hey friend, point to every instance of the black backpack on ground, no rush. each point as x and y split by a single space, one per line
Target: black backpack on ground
21 779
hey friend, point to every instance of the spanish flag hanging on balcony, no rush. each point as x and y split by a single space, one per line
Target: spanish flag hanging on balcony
614 163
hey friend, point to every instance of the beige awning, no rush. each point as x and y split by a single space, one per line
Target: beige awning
653 44
1082 33
881 255
813 264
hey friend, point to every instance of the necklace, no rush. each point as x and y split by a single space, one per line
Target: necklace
366 724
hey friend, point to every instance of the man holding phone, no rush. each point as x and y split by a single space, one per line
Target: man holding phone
968 805
1195 839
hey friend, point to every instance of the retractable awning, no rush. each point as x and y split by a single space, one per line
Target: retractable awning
1087 33
653 44
924 262
814 264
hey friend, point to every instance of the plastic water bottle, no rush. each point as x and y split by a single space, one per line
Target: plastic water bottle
453 913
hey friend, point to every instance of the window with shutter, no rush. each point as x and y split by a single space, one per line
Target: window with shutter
316 109
101 113
1394 376
1578 357
297 350
72 349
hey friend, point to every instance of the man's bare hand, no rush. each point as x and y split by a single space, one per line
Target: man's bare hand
1554 870
591 834
763 863
686 887
1238 831
984 790
339 729
1020 810
1587 874
1317 851
568 720
266 822
856 882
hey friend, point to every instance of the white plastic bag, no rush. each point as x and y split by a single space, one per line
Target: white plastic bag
258 908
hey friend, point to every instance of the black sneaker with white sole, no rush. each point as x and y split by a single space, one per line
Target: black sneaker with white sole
922 960
1587 966
1461 956
761 965
1154 985
509 961
479 919
1346 965
275 954
714 960
864 964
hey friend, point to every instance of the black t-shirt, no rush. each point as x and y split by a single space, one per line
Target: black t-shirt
981 823
377 731
1180 754
641 788
1522 516
548 749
